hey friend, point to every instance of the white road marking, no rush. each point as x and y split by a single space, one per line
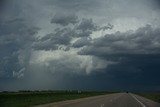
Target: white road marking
138 100
102 105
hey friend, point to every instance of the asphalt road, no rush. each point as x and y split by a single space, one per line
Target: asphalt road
111 100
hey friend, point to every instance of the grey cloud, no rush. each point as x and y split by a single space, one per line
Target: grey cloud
17 36
45 45
69 62
17 32
74 5
64 19
52 40
136 53
85 28
11 26
63 36
64 65
108 27
143 41
87 25
140 71
84 41
80 33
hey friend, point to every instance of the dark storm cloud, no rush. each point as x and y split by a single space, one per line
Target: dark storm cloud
15 39
16 32
84 41
85 28
52 40
109 26
87 25
137 54
14 24
2 3
134 55
63 36
64 19
137 72
73 5
157 4
145 40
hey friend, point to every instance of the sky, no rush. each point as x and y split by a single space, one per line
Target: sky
79 45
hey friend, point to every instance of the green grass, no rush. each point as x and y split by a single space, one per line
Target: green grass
155 96
27 99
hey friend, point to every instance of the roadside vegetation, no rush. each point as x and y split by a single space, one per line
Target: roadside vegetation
30 98
155 96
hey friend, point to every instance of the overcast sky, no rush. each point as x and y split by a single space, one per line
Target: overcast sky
80 44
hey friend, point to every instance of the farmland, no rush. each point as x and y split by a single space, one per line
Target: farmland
30 98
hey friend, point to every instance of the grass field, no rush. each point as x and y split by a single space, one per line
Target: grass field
155 96
27 99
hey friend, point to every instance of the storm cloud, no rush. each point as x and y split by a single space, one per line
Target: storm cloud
17 37
145 40
52 40
79 44
64 19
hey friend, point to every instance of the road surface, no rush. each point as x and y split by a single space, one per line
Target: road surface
111 100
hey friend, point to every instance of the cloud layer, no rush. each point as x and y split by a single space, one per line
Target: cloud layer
145 40
72 44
